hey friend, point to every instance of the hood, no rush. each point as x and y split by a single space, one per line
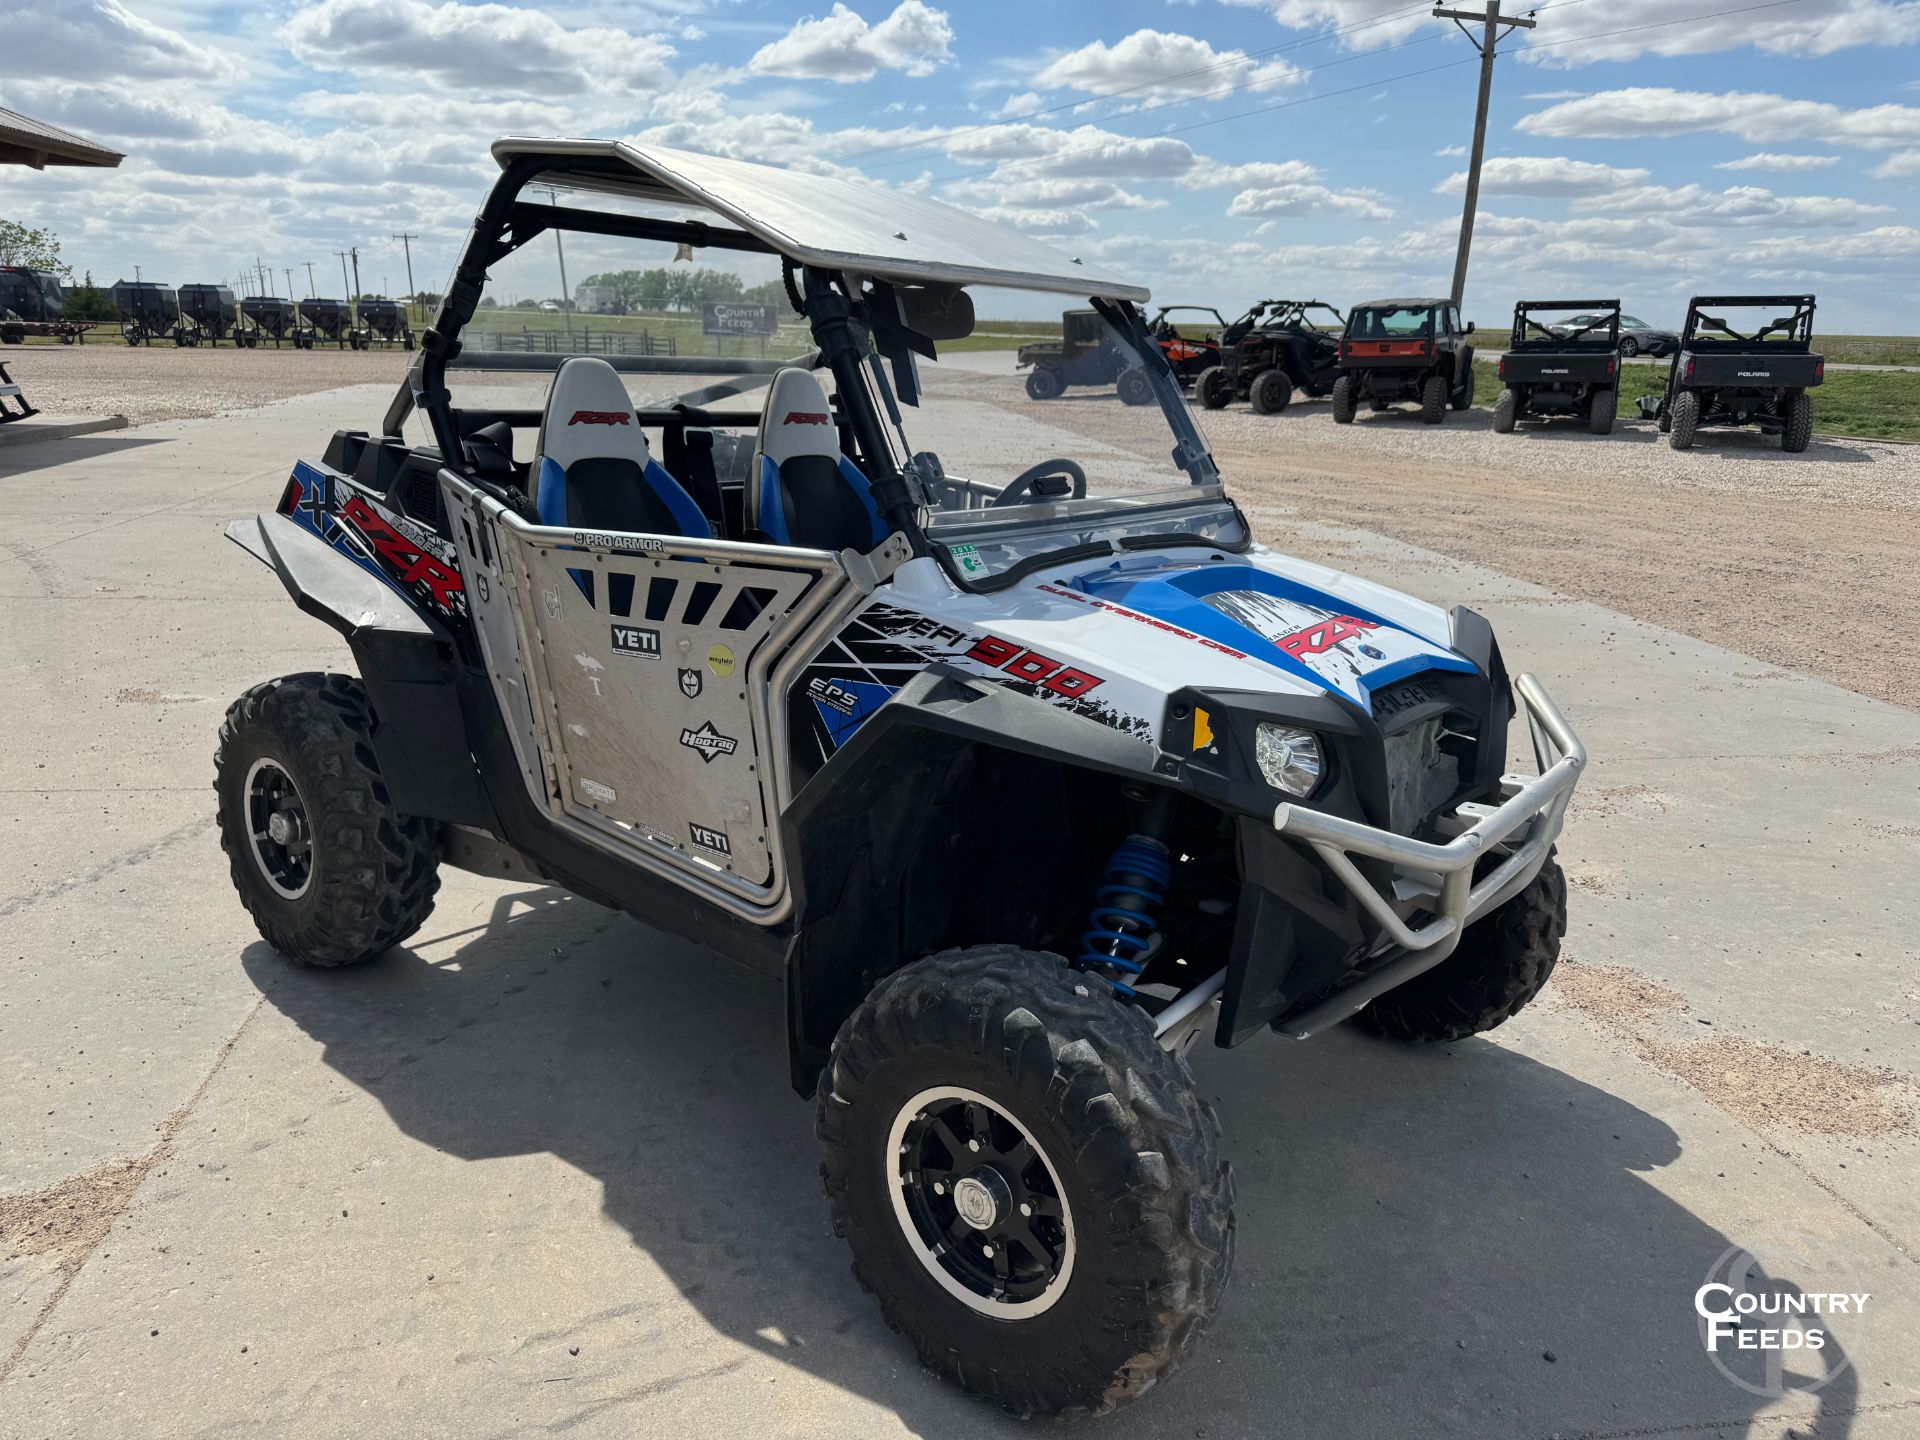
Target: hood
1336 631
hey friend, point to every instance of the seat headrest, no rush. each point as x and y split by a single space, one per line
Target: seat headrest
589 414
797 420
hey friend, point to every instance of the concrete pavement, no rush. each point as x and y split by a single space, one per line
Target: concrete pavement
540 1169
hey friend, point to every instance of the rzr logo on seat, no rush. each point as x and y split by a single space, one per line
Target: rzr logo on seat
805 417
599 417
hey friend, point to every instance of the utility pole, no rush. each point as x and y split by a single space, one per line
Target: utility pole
1495 26
345 284
406 243
309 265
354 302
289 275
566 295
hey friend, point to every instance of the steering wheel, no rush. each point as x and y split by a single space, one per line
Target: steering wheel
1018 487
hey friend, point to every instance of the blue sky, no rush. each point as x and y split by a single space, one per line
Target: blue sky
1221 150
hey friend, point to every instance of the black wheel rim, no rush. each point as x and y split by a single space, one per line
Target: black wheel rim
279 832
980 1203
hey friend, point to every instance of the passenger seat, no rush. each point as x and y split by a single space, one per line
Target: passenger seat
593 469
802 490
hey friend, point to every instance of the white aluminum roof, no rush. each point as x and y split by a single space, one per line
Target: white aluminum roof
837 224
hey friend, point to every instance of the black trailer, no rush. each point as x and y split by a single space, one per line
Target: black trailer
34 302
1564 368
1276 348
210 310
333 320
384 322
1742 371
150 311
276 319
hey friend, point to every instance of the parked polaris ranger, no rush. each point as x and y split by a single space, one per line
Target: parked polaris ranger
1405 350
1747 371
1085 353
1563 368
1276 348
1021 772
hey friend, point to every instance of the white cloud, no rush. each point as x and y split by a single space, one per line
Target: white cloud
476 47
1898 167
1541 175
1808 27
104 38
1308 200
1756 117
1209 173
1016 106
843 48
1773 160
1739 205
1051 194
1888 242
1451 152
1166 63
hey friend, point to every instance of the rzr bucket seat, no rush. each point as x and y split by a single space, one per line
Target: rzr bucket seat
594 469
802 490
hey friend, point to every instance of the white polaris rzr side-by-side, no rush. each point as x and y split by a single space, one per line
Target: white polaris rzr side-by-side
985 727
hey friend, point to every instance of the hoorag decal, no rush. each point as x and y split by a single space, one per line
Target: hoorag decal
404 553
708 743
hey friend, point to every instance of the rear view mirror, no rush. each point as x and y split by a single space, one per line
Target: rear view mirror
942 312
1469 327
1712 322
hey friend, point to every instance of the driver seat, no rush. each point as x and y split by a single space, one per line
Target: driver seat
594 470
801 490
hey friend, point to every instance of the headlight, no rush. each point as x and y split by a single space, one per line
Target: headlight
1290 758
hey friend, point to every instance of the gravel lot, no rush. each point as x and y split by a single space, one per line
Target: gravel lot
163 382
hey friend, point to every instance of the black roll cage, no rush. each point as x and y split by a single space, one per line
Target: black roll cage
1798 329
1610 317
852 329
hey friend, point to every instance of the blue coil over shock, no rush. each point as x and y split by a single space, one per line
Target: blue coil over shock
1121 928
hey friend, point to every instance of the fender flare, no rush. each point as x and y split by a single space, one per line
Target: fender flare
407 660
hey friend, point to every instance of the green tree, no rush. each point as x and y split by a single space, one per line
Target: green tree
35 249
87 301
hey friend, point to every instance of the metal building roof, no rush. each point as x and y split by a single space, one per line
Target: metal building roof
26 141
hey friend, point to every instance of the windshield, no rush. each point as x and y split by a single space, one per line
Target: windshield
1024 448
1390 323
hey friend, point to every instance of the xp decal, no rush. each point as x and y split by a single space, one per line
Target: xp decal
404 553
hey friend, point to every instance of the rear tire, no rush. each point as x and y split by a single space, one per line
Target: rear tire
1343 401
1044 384
1502 962
1798 433
1122 1261
1135 388
348 876
1505 408
1271 392
1602 407
1214 387
1433 400
1685 419
1463 397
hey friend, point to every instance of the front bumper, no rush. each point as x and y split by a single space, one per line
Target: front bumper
1438 879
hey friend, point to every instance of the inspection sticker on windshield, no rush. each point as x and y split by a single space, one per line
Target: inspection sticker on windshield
967 559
